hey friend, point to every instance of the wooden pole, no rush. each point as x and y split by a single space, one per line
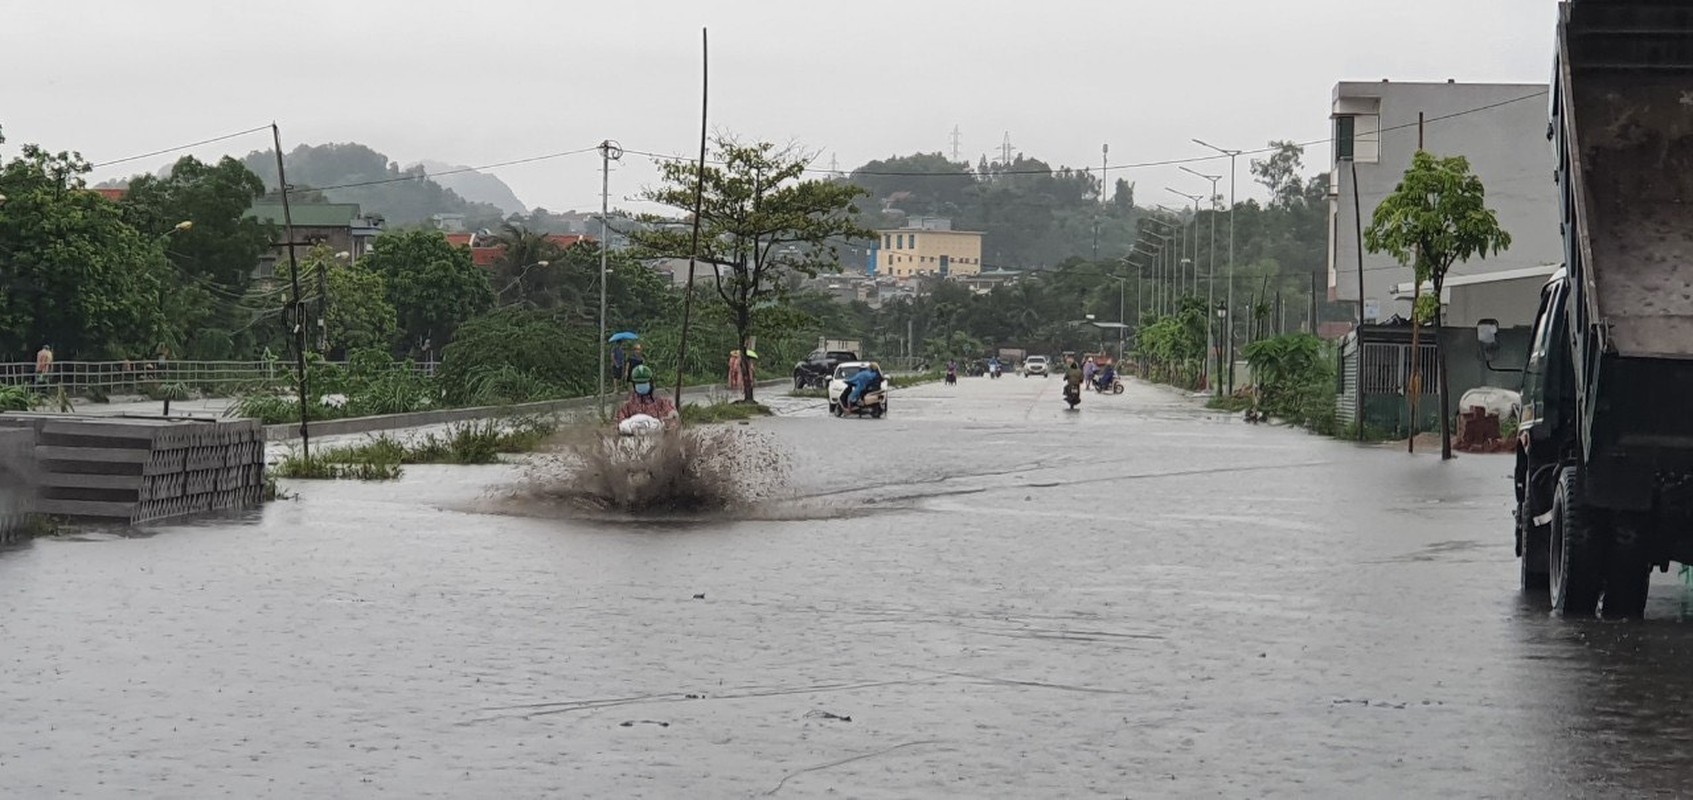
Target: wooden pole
298 310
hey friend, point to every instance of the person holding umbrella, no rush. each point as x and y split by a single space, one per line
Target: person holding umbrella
619 362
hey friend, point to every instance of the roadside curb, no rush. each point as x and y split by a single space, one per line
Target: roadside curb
287 431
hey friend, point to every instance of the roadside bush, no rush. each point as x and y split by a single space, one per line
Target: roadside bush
515 356
17 398
1294 377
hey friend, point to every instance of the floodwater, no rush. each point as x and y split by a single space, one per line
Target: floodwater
983 595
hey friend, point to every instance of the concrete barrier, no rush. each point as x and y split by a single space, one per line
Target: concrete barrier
17 482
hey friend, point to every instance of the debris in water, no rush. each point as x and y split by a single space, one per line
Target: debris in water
821 714
630 723
700 596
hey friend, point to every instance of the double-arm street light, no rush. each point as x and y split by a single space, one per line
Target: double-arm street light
1180 232
1229 329
1193 248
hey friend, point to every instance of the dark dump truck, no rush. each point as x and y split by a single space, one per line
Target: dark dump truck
1604 471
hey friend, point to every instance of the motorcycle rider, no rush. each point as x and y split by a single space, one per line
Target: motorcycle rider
644 399
1073 378
1106 376
865 380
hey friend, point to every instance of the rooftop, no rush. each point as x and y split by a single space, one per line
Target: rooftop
307 215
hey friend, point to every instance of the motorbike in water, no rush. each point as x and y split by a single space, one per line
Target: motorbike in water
873 404
994 371
1072 395
1114 386
951 376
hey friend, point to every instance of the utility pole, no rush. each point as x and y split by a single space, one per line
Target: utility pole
699 202
297 309
1104 173
609 151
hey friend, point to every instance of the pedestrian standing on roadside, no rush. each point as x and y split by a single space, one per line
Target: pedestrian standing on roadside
1088 367
616 361
44 365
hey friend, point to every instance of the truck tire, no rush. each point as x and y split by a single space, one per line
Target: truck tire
1577 567
1629 573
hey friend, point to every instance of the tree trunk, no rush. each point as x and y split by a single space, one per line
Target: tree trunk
1445 399
1414 384
746 367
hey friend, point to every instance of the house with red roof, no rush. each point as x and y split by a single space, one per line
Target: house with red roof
485 249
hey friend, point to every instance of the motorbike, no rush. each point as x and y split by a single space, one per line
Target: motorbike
874 403
951 376
994 371
1072 395
1114 387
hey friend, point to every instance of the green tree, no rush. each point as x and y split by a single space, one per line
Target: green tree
760 223
73 273
1436 217
200 212
433 286
359 316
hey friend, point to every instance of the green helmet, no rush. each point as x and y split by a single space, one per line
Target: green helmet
641 374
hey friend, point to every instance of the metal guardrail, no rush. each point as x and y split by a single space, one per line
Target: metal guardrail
76 376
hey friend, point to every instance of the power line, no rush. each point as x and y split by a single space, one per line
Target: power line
425 175
1168 162
166 150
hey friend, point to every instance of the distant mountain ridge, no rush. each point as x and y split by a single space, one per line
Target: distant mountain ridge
473 186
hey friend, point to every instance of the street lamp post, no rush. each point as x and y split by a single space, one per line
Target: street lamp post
1232 154
1157 261
1166 267
1211 270
1194 248
1181 240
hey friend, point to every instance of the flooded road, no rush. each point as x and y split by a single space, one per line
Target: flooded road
981 596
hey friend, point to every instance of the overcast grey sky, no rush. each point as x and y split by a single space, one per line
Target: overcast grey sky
481 82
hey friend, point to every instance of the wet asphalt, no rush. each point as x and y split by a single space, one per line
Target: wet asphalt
983 595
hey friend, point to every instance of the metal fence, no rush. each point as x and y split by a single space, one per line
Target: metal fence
117 376
1386 367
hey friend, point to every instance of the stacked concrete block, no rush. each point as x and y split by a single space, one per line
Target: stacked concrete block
17 483
139 469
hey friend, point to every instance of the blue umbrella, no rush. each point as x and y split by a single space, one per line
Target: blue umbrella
623 337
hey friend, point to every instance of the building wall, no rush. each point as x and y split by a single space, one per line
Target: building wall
1506 146
907 252
1513 303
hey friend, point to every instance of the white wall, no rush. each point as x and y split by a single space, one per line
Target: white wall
1506 146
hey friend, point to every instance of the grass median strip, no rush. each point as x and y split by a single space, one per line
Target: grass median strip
381 457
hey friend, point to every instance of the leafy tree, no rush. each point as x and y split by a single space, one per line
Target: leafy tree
359 316
73 273
1436 217
1280 172
200 212
432 286
760 222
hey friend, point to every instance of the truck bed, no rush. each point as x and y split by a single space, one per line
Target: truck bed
1631 91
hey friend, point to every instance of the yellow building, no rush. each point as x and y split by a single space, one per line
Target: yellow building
919 251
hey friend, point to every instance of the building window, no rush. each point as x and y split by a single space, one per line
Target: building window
887 242
1358 137
914 241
